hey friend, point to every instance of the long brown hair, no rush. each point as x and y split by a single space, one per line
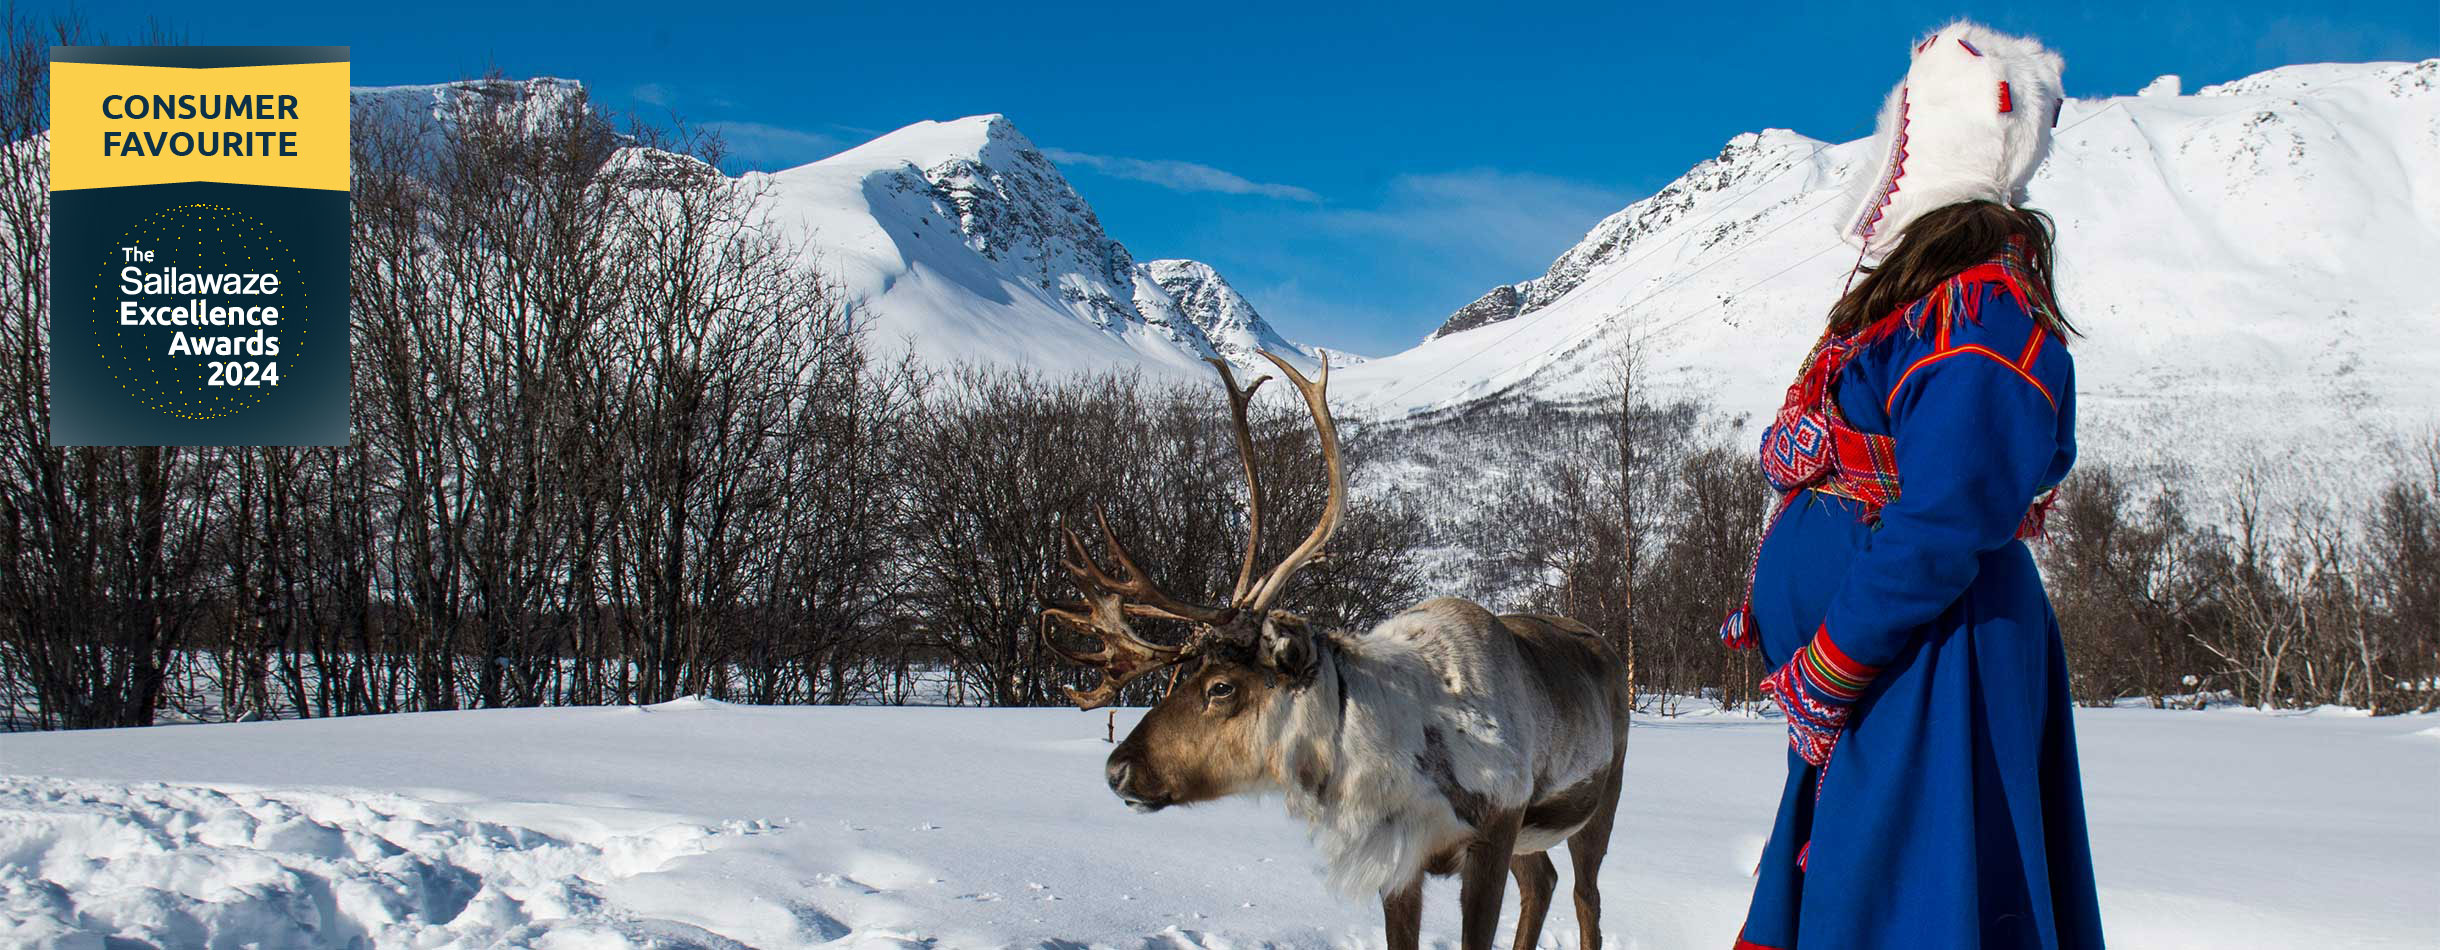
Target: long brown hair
1941 244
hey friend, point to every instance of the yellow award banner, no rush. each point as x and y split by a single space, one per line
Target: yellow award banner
118 125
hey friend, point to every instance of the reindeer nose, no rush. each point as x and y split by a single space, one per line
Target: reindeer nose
1130 787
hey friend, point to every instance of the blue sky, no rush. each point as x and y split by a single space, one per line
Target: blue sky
1357 171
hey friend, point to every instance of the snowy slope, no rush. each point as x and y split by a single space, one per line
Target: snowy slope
697 824
2250 263
962 241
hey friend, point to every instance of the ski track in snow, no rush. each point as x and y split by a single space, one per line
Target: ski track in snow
701 825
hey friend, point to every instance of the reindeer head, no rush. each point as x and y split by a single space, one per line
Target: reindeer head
1202 740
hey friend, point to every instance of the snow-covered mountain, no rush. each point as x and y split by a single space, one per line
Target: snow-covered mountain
2246 261
959 241
2249 264
1227 320
432 107
962 241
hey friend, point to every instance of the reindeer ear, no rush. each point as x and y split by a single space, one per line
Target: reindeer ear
1287 647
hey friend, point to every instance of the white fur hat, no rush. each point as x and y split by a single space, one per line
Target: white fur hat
1971 122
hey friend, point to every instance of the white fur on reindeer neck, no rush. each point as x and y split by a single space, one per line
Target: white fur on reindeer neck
1970 122
1359 733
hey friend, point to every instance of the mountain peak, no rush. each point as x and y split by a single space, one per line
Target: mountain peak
428 109
989 139
448 101
1747 157
1226 318
967 244
2166 86
955 239
496 87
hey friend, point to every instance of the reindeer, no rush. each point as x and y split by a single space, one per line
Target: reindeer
1446 740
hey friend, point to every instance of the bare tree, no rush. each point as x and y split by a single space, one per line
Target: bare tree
102 550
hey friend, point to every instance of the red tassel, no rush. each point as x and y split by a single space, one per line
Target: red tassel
2004 104
2036 524
1737 630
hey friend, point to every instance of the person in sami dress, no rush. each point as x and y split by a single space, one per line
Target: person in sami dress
1932 796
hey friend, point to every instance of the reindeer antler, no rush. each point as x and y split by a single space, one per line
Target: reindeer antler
1317 401
1123 656
1238 400
1109 600
1136 587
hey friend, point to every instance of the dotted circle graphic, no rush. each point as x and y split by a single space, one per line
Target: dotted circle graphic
203 239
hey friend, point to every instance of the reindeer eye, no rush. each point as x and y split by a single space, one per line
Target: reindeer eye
1219 689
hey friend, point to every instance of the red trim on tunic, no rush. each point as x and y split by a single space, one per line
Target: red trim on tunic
1890 404
1810 447
1744 944
2033 347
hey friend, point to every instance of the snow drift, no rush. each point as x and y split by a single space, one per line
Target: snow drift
699 824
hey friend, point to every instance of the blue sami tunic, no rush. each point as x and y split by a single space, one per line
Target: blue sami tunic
1950 814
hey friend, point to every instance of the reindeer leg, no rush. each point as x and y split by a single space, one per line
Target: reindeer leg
1483 880
1585 849
1536 879
1402 915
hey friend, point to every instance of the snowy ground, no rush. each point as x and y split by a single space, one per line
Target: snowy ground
696 824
